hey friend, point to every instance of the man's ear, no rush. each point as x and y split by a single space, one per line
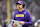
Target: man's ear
23 5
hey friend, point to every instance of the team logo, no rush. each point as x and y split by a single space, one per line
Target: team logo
18 1
24 13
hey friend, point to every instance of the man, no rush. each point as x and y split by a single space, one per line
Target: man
22 15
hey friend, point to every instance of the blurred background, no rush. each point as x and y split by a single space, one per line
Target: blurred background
33 6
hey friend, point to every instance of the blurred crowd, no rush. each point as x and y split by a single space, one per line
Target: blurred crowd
31 5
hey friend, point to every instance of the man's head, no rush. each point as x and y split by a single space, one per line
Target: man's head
20 4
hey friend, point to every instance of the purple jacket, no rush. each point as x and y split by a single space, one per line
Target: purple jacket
23 16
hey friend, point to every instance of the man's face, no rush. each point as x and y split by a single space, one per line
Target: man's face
19 6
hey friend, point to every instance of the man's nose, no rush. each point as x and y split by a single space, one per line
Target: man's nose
18 5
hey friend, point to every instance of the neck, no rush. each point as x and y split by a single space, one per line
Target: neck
20 10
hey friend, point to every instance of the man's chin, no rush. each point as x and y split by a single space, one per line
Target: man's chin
19 9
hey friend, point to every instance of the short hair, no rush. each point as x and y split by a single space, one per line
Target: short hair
23 5
20 4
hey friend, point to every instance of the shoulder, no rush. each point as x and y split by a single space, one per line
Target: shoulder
27 12
15 12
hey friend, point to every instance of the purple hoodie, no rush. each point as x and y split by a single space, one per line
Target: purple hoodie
23 16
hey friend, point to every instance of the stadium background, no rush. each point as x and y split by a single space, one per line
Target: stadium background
8 7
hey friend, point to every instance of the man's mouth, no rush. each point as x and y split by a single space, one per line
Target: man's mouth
19 7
